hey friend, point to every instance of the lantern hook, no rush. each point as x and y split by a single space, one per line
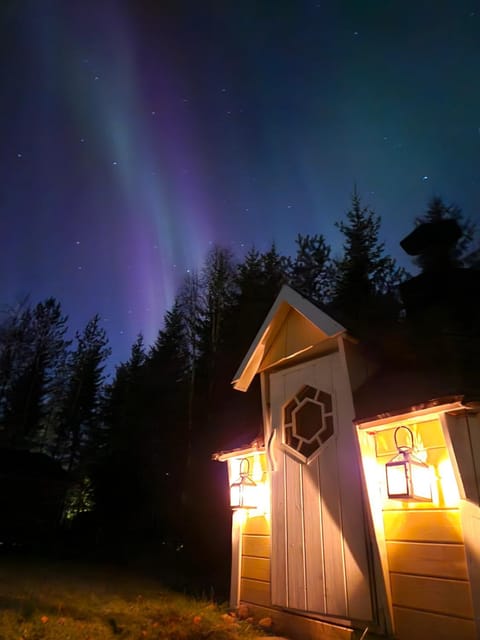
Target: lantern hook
404 448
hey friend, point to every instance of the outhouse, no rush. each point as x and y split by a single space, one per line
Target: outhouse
356 512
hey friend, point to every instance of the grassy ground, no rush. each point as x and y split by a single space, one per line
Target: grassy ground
48 601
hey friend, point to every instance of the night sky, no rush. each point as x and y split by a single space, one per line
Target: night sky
137 134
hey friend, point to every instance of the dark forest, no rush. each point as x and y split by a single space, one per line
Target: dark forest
121 469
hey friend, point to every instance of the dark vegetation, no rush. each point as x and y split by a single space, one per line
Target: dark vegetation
121 470
67 601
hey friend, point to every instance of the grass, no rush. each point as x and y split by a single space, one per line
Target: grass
48 601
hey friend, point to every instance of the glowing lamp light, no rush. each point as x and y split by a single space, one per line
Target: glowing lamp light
243 492
408 478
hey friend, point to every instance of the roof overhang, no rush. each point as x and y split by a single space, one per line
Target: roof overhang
249 450
287 300
440 405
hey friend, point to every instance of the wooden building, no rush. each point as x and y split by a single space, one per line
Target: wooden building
325 551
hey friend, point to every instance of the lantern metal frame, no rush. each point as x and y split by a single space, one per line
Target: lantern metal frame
413 470
244 487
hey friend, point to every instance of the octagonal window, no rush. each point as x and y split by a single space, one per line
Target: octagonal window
307 422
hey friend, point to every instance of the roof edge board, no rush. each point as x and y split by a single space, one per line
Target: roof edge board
287 299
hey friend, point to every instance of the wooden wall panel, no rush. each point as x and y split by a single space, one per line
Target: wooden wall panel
421 625
256 568
257 546
314 571
255 591
257 525
353 526
427 434
423 526
279 542
295 545
449 597
318 531
428 566
427 559
332 533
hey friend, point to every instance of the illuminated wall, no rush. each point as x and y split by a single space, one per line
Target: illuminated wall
251 536
422 543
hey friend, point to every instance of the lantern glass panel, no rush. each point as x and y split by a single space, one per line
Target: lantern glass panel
397 479
235 495
243 492
421 486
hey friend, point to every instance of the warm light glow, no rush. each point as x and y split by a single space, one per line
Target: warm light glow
408 478
243 492
397 480
448 483
253 499
421 481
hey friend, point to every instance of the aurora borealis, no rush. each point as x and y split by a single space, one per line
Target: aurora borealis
136 134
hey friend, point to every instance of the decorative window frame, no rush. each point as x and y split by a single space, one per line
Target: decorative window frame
309 403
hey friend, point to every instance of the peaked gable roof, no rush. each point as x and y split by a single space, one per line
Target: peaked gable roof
316 326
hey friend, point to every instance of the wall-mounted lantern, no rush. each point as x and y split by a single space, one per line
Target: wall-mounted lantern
408 478
243 492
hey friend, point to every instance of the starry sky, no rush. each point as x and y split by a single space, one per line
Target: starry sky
136 134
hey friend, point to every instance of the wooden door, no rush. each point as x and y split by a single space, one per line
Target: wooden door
319 542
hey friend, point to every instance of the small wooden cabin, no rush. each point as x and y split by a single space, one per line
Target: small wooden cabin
326 552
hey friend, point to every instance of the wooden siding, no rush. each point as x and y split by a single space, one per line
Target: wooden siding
319 548
301 627
430 590
462 430
448 597
255 562
436 560
422 625
423 526
257 546
255 591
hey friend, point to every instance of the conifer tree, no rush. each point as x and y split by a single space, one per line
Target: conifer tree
79 429
32 359
310 272
438 210
218 292
365 278
259 279
117 471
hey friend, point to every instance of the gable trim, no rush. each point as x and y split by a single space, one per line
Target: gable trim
287 299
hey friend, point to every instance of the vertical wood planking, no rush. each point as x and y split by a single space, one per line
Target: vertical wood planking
458 437
236 559
332 532
359 604
473 422
319 556
314 552
279 542
295 544
294 511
